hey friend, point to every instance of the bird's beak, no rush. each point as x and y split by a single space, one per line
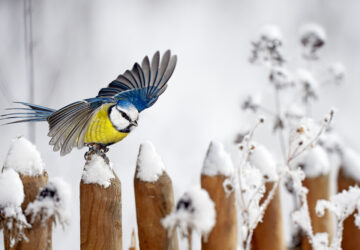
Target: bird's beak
134 123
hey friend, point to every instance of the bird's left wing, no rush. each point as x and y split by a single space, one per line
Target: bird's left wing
143 84
68 125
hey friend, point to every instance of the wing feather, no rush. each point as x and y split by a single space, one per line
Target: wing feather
142 85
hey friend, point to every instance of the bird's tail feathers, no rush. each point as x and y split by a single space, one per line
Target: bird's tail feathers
29 113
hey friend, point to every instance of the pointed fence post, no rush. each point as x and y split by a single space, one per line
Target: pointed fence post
100 206
269 233
217 168
25 159
349 175
316 165
154 200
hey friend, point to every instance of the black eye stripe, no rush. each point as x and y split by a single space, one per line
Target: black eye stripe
123 114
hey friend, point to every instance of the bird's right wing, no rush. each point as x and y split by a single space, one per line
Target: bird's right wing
68 125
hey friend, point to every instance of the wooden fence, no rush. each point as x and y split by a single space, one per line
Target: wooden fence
101 225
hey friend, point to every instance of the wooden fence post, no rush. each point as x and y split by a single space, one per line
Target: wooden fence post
217 168
100 206
24 158
349 176
269 233
319 189
154 200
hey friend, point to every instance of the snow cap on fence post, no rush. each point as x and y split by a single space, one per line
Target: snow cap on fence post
24 158
217 161
97 171
154 200
149 164
12 219
314 162
263 160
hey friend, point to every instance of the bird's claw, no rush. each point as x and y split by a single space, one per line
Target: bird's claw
99 150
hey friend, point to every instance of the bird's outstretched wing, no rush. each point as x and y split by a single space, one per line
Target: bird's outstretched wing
143 84
68 125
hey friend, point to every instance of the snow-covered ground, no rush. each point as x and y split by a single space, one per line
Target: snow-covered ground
80 46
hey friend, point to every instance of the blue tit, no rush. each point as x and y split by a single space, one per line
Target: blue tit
111 115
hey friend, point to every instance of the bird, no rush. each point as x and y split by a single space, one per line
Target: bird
108 118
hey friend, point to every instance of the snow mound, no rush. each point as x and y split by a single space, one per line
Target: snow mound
271 32
24 158
53 200
351 163
12 189
149 164
97 171
314 162
263 160
194 210
217 161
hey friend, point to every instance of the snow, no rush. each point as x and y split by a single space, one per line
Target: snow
307 80
97 171
315 162
12 189
263 160
312 30
302 134
281 77
321 241
24 158
338 70
271 32
194 209
53 200
351 163
149 164
217 161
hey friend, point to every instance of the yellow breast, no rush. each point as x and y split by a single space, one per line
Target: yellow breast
101 129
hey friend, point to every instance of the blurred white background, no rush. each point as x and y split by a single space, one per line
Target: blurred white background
81 46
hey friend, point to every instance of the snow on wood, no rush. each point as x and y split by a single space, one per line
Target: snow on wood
262 159
217 161
12 189
194 210
314 162
351 163
149 164
97 171
51 203
24 158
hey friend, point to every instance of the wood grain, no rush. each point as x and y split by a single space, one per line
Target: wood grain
319 189
351 234
100 216
224 234
39 235
154 201
269 233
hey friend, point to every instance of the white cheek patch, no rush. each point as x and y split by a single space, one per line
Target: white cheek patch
117 120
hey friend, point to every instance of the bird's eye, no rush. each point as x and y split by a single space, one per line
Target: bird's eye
123 114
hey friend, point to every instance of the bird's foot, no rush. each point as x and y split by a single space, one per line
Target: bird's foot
99 150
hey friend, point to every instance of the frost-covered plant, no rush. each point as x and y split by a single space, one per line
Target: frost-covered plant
12 218
194 211
51 204
342 205
298 133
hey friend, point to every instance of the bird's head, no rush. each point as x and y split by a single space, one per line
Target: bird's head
124 116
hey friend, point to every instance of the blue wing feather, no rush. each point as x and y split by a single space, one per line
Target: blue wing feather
143 85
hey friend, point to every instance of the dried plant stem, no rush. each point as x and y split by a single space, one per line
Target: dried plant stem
189 238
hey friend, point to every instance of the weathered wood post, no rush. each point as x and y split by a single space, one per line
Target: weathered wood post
216 169
269 233
316 166
133 244
25 159
154 200
100 206
349 175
